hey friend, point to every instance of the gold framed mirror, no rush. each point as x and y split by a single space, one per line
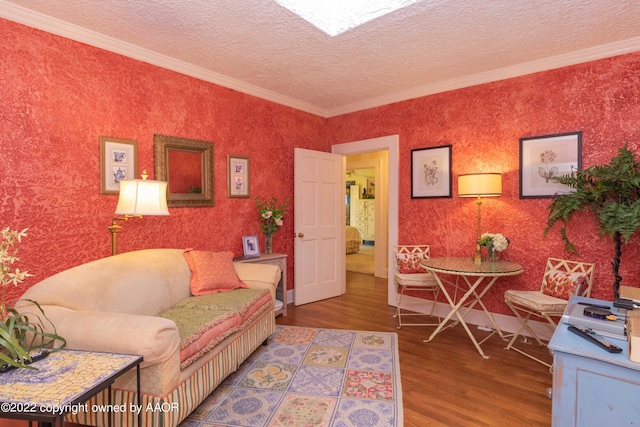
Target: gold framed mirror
187 166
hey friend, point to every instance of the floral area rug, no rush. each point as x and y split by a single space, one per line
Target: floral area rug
311 377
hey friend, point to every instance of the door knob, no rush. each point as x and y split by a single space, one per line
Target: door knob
300 235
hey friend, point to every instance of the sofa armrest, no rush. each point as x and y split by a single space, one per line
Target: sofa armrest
259 276
155 338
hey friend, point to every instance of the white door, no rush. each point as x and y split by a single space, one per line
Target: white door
319 225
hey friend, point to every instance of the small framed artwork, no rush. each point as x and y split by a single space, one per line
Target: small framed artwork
238 176
118 161
543 158
371 188
250 246
431 172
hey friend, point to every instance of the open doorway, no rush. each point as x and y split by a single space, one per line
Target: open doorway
388 213
363 228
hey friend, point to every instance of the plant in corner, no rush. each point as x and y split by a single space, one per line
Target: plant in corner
19 333
611 193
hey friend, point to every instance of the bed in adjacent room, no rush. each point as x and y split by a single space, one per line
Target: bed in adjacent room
353 240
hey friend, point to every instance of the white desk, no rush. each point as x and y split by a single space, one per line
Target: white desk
485 275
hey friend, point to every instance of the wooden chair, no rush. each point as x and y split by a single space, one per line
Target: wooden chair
561 280
411 276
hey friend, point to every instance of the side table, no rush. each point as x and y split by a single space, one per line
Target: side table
61 384
281 291
591 387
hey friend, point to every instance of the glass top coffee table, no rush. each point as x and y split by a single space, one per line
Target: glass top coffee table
485 275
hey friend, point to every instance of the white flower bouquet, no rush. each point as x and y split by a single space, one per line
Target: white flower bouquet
494 241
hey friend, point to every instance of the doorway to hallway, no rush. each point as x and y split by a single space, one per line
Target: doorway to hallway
388 171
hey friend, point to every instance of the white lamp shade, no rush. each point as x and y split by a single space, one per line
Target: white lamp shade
142 197
480 184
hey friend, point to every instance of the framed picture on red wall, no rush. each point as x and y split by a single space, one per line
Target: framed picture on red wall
431 172
118 161
543 158
237 176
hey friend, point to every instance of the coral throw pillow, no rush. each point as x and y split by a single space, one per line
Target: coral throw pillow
410 263
212 272
561 284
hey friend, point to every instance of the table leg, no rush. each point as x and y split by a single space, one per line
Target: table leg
454 306
455 309
139 395
460 316
110 422
444 321
478 300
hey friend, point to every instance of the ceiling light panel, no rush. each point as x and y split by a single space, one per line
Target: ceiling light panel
335 17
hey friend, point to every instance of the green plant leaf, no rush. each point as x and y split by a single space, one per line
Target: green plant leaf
610 192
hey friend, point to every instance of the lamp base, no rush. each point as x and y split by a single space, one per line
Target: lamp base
477 259
114 228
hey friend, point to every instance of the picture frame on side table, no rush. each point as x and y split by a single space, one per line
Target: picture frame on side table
545 157
431 172
250 246
118 161
237 176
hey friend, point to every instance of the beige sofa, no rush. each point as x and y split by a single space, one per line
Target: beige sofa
115 305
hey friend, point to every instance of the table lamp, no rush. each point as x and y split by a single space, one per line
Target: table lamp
479 185
138 197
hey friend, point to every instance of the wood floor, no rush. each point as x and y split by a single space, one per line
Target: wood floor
444 382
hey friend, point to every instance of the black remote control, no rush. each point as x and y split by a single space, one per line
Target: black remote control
595 338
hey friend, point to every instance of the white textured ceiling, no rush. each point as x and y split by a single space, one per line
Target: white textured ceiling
258 47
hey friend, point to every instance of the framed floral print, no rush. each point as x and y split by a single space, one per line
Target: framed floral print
543 158
431 172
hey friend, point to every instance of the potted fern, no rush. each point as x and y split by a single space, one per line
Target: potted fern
612 193
20 334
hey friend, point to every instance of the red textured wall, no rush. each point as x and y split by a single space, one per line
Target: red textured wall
57 96
484 124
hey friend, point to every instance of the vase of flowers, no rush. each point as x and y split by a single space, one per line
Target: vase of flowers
495 243
20 333
271 213
268 243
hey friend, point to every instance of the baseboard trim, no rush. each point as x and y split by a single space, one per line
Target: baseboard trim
507 324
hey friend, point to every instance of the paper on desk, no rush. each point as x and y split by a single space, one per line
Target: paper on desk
633 335
630 293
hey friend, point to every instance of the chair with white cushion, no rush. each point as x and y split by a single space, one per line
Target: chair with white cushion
561 280
411 276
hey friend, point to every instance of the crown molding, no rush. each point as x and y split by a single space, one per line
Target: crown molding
56 26
545 64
